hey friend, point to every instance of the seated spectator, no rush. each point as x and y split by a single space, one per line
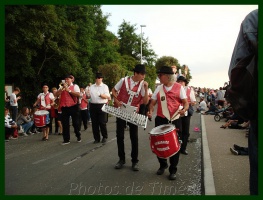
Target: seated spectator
10 127
211 109
233 122
25 120
202 105
238 150
245 124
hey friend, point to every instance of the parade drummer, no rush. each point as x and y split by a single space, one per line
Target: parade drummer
45 100
169 96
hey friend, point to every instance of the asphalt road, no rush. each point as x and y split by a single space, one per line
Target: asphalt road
35 167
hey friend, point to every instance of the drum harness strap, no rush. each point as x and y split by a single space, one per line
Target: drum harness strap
43 100
130 92
165 107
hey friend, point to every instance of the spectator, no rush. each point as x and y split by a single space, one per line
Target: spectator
25 121
202 105
14 103
238 150
10 127
220 97
247 44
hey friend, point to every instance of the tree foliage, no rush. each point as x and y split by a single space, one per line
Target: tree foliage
45 42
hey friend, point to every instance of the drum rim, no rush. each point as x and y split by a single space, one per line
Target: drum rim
163 133
43 112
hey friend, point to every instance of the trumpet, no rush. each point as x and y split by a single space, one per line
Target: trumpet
63 85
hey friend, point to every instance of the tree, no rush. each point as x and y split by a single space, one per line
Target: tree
45 42
170 61
112 73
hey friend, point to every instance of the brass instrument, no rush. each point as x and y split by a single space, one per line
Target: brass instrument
56 103
63 85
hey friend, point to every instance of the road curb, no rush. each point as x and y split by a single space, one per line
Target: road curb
209 185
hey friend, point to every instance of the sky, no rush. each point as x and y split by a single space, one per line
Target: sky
200 36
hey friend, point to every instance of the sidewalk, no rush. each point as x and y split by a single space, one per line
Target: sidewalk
224 173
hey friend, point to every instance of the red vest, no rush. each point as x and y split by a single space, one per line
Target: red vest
188 91
47 101
124 96
173 100
67 100
83 104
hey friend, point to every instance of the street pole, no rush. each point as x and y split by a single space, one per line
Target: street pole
141 41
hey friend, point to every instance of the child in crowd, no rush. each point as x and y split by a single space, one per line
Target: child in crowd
10 127
25 121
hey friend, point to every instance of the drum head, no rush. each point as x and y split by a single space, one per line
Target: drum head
162 129
41 112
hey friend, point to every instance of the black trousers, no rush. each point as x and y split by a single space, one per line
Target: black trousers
175 158
185 131
14 111
121 124
56 122
99 121
83 119
72 111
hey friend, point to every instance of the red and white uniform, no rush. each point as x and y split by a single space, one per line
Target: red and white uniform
67 100
174 95
45 100
83 103
123 93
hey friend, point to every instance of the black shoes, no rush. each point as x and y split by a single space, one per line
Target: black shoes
95 142
236 147
135 167
104 140
119 164
161 170
185 152
79 139
172 177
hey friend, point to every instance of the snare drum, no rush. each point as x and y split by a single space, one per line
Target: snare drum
41 118
164 141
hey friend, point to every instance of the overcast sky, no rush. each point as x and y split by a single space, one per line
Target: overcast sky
200 36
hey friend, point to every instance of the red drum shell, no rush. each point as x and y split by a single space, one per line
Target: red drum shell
164 141
40 118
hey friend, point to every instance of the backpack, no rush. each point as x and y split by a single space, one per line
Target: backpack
241 93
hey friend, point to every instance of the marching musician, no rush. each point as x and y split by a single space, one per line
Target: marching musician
69 94
100 95
56 112
187 117
168 96
45 100
130 90
83 104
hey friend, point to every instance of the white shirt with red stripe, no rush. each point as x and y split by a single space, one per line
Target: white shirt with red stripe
45 100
